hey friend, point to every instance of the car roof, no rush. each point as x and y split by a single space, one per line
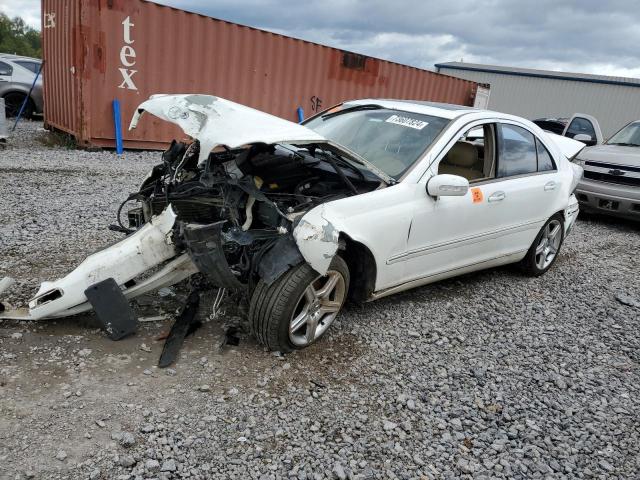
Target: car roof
443 110
10 57
552 119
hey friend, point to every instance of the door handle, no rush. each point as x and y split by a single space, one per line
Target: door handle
549 186
497 197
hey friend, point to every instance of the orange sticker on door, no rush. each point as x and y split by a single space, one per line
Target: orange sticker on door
476 195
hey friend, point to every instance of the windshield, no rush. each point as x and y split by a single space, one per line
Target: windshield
629 136
392 140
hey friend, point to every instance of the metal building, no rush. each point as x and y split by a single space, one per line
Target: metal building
96 51
613 101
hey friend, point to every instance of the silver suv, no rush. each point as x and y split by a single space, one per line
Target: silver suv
16 76
611 182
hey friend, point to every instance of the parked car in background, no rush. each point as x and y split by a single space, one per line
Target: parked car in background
553 125
364 200
611 182
585 127
16 77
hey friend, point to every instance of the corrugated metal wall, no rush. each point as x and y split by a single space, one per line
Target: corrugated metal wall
532 97
98 50
60 38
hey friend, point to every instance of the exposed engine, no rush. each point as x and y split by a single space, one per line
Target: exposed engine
240 207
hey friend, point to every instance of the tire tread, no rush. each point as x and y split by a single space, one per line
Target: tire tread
270 304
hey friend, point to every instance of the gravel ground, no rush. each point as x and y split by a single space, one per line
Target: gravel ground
490 375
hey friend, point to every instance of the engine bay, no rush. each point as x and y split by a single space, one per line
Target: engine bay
241 206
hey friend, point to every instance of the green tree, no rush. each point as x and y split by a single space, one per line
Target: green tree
19 38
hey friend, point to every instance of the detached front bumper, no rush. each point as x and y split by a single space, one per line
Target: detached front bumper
609 198
125 261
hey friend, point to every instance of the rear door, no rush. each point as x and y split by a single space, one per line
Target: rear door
522 195
583 124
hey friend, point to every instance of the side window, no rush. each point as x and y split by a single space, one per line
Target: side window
545 162
472 156
581 125
516 151
32 66
5 69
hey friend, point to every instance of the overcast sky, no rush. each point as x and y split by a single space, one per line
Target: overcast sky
574 35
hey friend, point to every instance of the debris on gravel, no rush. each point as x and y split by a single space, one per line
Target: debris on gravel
490 375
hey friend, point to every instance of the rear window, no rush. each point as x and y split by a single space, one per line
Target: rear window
545 162
32 66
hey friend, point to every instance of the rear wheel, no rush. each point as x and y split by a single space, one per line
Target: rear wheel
298 308
545 248
13 102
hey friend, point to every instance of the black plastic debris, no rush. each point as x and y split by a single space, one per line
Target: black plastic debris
230 337
317 383
184 324
112 309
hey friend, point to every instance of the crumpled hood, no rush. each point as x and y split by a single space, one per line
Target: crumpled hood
214 121
617 154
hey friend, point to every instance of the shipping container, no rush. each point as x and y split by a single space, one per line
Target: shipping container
96 51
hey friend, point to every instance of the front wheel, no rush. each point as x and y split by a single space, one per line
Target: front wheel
545 247
13 102
298 308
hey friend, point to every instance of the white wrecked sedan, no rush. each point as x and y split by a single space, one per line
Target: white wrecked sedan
369 198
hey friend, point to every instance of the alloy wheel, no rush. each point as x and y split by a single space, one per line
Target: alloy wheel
549 244
317 308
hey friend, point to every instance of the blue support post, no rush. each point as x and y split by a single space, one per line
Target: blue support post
117 122
26 99
300 115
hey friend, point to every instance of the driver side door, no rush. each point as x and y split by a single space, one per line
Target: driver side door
453 232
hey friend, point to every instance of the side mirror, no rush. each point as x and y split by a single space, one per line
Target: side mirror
446 185
5 72
584 138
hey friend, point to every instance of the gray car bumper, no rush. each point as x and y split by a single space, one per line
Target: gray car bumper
609 198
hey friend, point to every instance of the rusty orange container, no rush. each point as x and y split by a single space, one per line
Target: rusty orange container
96 51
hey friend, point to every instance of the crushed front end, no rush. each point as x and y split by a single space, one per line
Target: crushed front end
237 210
224 204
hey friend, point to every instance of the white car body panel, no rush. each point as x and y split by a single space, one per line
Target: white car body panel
413 237
123 261
215 121
439 236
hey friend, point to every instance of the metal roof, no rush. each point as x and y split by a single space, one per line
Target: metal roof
530 72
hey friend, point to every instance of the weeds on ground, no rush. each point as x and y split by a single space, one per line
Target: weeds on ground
52 138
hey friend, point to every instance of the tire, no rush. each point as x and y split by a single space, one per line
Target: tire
545 248
274 307
13 102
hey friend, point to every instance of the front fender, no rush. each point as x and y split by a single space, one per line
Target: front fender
317 239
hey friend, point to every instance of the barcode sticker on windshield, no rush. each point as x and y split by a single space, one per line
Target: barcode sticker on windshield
407 122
